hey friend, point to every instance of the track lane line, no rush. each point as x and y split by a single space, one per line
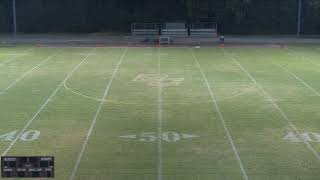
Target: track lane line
84 145
45 104
270 99
225 127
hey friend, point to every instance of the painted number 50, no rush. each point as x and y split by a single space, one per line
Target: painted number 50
166 136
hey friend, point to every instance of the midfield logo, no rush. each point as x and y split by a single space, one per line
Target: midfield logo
158 79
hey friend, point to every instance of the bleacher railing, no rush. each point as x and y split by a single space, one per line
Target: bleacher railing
145 28
174 29
203 29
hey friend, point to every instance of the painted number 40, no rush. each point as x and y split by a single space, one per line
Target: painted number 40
26 136
306 136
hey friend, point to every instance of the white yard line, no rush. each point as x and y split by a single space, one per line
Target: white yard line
295 54
84 145
159 119
294 75
300 80
45 104
290 52
14 57
225 127
8 60
24 75
270 99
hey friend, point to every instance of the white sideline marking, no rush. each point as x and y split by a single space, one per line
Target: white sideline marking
235 151
45 104
159 119
301 80
84 145
270 99
24 75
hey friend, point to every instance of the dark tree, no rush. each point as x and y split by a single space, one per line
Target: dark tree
233 16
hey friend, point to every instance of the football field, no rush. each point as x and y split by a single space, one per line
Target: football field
164 113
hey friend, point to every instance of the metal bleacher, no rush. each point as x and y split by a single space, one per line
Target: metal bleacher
174 29
145 28
203 29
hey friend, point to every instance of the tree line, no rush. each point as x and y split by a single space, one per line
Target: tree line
233 16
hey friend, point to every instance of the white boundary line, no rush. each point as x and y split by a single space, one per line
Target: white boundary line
24 75
84 145
45 104
270 99
159 119
235 151
300 80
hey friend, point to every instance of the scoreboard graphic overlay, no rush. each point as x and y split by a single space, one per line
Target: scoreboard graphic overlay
34 166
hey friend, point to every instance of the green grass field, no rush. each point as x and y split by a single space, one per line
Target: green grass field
242 113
